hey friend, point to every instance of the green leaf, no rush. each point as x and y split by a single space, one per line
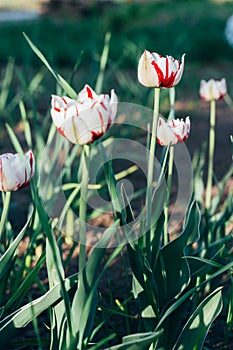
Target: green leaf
184 297
84 302
58 311
22 289
12 323
51 268
5 88
103 62
7 256
140 341
217 199
61 81
198 325
172 271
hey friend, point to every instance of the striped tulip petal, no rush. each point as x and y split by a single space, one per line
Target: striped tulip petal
155 70
173 132
86 119
16 172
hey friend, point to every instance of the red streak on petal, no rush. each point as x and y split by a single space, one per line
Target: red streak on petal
61 132
63 99
103 105
31 160
25 184
159 141
159 72
89 92
179 138
95 135
167 66
57 109
25 177
93 105
167 80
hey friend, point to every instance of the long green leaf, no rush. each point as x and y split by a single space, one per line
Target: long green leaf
61 81
57 315
13 323
140 341
7 256
186 295
5 88
83 306
172 272
198 325
26 284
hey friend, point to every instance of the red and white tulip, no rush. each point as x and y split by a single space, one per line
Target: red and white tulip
155 70
16 172
213 89
172 132
86 119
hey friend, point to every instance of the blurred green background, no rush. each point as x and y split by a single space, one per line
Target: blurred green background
168 27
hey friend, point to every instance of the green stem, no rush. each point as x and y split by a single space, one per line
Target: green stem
169 185
151 156
211 154
6 204
83 207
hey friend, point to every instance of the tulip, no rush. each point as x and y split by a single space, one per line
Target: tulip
155 70
213 89
86 119
173 132
16 172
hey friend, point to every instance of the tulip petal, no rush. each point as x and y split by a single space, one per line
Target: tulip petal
165 135
146 71
173 132
213 89
85 119
155 70
15 171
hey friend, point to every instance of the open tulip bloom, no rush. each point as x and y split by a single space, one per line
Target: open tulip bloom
172 132
16 172
86 119
213 89
155 70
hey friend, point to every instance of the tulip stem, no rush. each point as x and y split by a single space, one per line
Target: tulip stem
83 207
151 156
6 204
169 184
211 154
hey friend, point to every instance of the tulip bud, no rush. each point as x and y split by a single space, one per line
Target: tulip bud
86 119
155 70
213 89
174 131
16 172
